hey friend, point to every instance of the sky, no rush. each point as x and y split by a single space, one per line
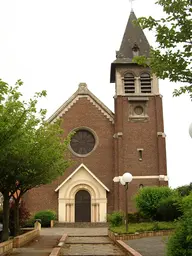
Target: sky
54 45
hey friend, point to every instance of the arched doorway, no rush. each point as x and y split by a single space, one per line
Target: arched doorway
82 206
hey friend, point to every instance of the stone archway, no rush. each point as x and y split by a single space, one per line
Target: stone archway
82 179
82 206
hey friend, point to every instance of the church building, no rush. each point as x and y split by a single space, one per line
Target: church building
106 144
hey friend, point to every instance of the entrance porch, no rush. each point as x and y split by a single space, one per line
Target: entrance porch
82 197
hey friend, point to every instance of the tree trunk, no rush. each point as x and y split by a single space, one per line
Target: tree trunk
16 217
5 234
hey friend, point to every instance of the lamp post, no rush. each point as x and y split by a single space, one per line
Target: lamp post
190 130
125 180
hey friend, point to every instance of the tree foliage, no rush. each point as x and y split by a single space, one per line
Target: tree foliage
172 57
45 216
184 190
180 243
148 199
33 152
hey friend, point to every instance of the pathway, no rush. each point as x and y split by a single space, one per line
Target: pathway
91 245
41 246
149 246
80 241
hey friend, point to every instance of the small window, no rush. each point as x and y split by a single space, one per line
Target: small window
145 83
140 151
129 83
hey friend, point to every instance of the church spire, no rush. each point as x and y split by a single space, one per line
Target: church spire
133 36
134 43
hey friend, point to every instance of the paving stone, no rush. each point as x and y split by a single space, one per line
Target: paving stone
91 249
75 231
89 240
90 245
149 246
41 246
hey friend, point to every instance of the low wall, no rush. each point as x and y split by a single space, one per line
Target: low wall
56 251
115 236
6 247
129 251
21 240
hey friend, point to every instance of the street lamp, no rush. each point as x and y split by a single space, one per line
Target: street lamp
125 180
190 130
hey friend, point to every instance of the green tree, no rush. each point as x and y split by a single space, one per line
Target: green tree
172 57
32 151
148 199
184 190
180 243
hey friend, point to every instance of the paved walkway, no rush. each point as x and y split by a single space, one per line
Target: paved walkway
41 246
88 241
75 231
91 245
150 246
81 241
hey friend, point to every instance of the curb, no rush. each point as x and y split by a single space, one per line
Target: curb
130 251
115 236
56 250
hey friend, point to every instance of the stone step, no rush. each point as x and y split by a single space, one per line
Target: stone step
89 240
91 249
80 224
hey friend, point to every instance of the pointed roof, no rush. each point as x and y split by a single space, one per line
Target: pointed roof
73 173
133 40
82 92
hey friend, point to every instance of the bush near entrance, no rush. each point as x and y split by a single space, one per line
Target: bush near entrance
45 217
115 219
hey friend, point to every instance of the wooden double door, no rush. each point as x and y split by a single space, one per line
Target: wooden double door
82 206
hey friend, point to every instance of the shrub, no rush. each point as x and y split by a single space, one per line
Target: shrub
184 190
115 219
24 215
148 199
186 203
180 243
137 217
29 223
45 217
168 209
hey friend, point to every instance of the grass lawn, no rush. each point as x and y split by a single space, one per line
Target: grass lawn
144 226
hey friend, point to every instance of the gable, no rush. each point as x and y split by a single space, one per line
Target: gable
82 173
83 92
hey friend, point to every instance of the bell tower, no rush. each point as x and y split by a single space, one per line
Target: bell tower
139 139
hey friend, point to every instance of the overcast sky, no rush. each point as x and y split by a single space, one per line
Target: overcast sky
56 44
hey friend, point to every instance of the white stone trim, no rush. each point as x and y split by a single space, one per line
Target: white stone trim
161 134
82 180
82 93
78 168
160 177
68 107
100 109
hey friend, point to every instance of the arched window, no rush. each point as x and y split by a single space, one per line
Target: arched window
145 80
129 83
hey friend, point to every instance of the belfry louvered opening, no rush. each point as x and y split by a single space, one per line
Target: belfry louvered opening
129 83
145 80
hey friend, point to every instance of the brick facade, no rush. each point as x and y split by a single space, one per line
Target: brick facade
119 139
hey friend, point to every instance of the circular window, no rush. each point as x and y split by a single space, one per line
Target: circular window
82 142
138 110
